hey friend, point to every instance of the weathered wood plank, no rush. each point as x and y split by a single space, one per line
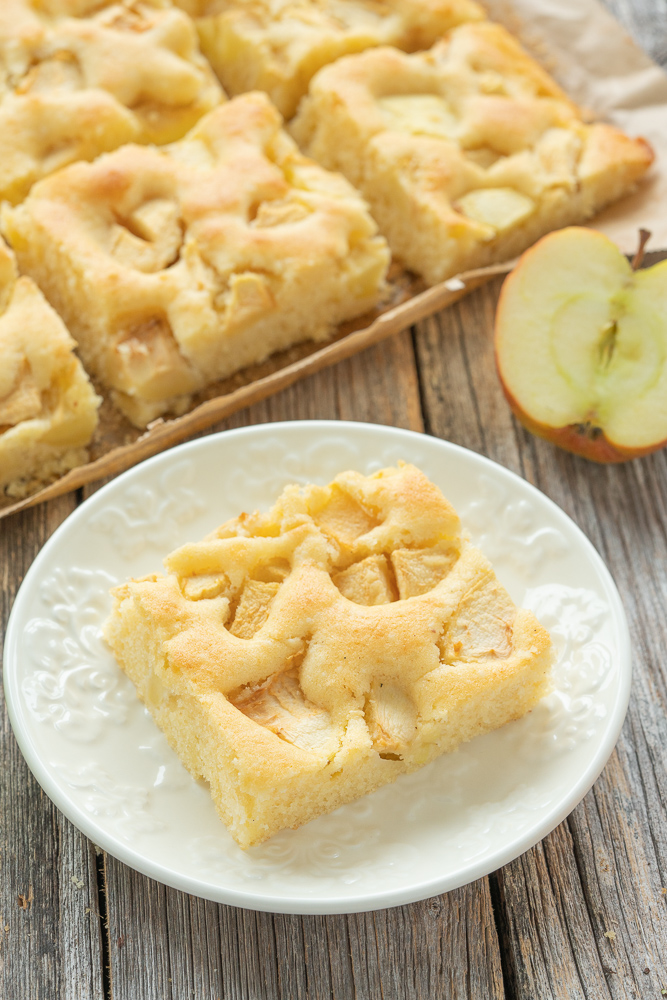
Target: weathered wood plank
444 947
50 942
602 872
440 946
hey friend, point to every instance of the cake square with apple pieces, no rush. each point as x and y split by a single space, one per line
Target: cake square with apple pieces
79 78
466 153
48 408
277 45
177 266
302 658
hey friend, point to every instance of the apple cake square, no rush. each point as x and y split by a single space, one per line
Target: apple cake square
179 265
277 45
48 408
301 658
79 78
466 153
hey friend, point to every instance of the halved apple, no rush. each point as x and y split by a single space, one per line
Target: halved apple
581 347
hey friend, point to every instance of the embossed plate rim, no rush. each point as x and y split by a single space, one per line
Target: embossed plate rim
355 901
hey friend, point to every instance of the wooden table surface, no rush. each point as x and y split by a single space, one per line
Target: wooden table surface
583 914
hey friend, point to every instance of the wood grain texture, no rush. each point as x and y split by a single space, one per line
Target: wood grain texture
443 947
49 923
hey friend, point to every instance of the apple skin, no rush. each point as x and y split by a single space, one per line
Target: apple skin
593 446
582 439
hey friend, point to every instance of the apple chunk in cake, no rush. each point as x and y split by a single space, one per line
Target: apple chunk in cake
78 79
48 409
177 266
301 658
277 45
466 153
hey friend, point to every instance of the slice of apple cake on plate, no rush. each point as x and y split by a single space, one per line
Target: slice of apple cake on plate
301 658
466 153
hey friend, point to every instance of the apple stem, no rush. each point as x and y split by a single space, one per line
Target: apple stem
638 259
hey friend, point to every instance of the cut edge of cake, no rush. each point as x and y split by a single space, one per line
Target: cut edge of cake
48 407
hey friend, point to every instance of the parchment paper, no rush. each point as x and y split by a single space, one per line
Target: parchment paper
597 63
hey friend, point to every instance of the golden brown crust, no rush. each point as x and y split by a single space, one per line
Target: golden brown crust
467 153
312 693
177 266
78 79
48 409
278 45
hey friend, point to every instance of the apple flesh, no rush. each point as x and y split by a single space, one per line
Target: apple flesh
581 347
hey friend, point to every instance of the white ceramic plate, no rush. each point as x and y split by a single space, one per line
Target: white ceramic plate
98 755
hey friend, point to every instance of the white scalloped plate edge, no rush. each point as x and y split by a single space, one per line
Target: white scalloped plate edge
310 898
